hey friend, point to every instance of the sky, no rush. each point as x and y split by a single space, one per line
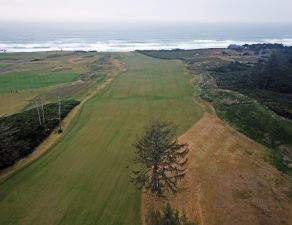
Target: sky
193 11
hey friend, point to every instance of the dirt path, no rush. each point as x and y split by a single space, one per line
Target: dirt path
228 181
54 137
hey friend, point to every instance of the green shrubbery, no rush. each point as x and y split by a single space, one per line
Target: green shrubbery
269 81
254 120
98 68
168 216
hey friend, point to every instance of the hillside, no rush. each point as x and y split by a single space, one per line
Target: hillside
228 182
232 179
245 109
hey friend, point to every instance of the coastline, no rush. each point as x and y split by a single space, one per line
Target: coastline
129 45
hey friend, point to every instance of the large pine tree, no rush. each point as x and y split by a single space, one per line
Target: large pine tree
161 159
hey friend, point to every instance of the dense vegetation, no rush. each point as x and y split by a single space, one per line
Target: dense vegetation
168 216
259 47
172 54
21 133
255 121
98 68
268 81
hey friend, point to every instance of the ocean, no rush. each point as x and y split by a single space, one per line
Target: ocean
115 37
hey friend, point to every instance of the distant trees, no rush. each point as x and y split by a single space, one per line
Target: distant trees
168 216
272 74
160 158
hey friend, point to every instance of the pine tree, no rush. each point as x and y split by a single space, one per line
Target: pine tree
168 216
160 158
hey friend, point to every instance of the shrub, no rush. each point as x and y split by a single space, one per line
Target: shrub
168 216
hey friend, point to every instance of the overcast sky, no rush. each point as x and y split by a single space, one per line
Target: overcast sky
245 11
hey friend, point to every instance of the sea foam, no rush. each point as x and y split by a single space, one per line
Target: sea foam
128 45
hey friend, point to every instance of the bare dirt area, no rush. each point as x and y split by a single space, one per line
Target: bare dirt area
228 181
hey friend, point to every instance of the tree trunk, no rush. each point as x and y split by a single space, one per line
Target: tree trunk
154 180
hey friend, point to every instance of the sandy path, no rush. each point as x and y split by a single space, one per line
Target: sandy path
228 181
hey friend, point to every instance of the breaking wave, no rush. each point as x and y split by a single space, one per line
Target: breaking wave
126 45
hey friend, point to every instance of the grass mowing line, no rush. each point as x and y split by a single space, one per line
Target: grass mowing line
84 179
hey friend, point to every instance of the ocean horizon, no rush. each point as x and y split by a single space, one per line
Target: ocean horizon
36 37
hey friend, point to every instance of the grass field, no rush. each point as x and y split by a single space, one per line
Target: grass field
32 80
46 75
3 65
11 103
84 178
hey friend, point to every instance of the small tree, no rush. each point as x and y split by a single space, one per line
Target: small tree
161 159
168 216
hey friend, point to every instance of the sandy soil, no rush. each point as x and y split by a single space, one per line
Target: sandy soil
228 182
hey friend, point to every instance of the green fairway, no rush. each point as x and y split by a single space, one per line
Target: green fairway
31 80
84 178
3 65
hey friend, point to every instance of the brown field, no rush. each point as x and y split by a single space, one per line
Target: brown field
228 181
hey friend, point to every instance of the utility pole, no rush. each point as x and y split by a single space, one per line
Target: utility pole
39 116
43 112
60 121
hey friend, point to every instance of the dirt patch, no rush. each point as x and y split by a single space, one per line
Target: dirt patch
228 181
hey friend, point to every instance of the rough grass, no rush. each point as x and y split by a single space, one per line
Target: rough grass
228 182
255 121
84 179
14 102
